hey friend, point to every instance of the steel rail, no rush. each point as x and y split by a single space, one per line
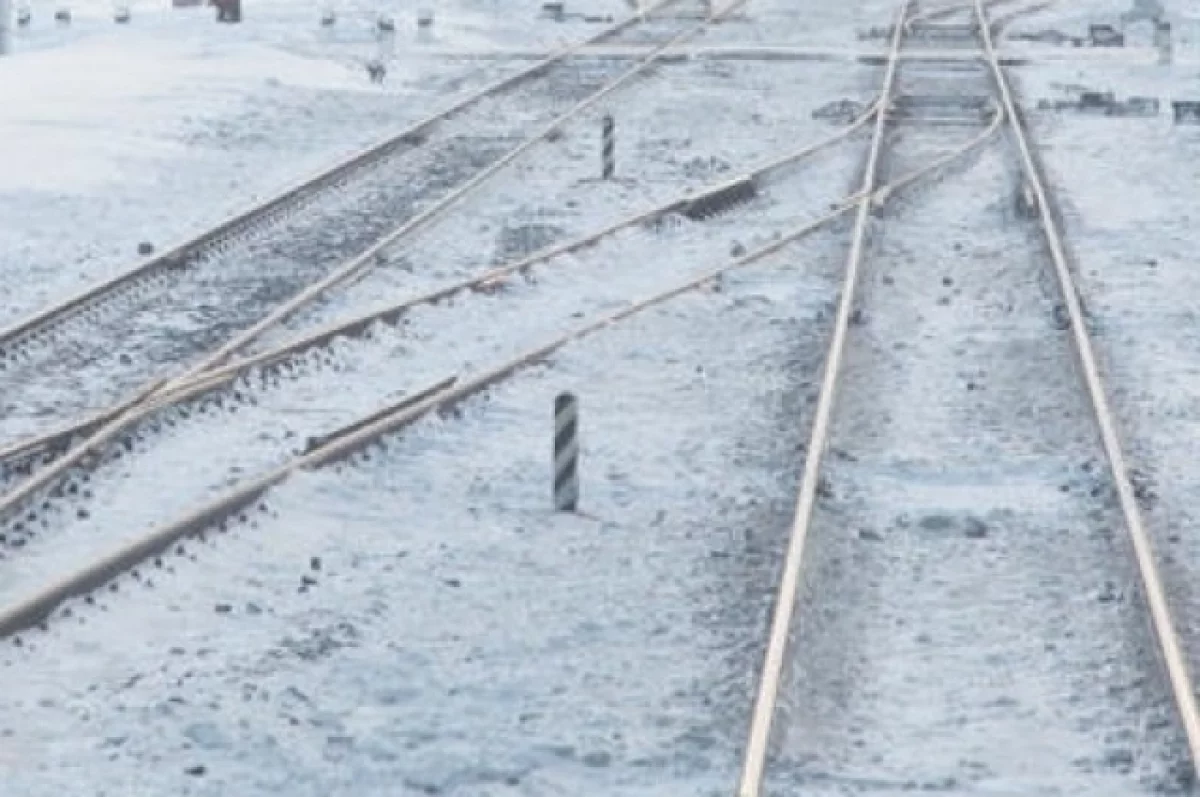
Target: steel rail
183 389
762 717
106 424
367 258
174 257
113 425
1152 585
37 607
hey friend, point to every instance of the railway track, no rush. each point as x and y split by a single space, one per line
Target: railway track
918 125
63 491
151 322
912 620
120 427
95 560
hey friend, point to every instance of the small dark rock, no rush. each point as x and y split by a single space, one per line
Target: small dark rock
196 771
597 759
946 281
145 248
223 608
1121 758
976 529
1108 594
936 522
315 563
870 535
737 250
452 582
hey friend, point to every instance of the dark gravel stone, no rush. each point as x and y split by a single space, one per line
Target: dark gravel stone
975 528
936 522
597 759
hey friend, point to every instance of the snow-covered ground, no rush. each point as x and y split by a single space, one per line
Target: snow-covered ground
582 720
459 638
156 130
1133 240
416 621
968 592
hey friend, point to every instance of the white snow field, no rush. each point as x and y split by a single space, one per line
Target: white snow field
417 621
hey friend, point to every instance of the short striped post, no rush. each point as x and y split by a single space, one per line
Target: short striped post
566 452
608 151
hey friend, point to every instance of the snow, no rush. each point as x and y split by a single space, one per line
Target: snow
967 591
158 131
416 620
509 643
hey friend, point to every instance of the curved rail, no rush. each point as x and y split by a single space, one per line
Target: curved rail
1160 612
162 393
105 425
178 253
113 423
37 608
367 259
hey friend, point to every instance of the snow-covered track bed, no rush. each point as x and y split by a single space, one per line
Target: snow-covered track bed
266 409
969 603
1130 230
415 620
266 405
174 311
712 362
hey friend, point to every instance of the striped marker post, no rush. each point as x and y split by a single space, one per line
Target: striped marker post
608 151
566 452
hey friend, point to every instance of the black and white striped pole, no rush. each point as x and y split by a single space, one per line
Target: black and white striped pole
566 452
608 147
